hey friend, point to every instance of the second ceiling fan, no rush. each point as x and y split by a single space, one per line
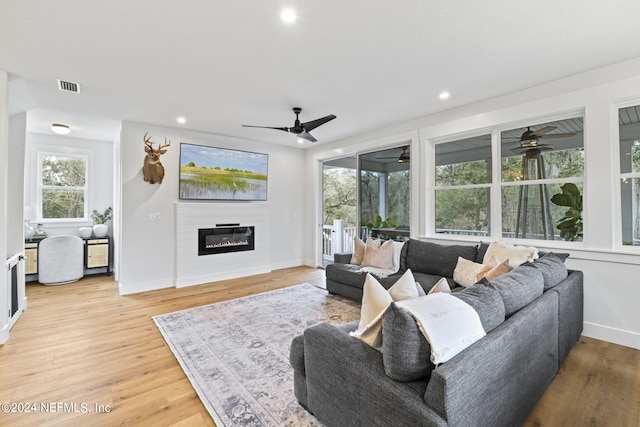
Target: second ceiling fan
301 130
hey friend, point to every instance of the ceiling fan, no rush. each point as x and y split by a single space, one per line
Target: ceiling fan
531 139
404 156
301 130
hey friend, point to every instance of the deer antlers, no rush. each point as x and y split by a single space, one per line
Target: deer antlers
149 143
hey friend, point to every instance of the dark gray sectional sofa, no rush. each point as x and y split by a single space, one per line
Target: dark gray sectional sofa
429 262
532 315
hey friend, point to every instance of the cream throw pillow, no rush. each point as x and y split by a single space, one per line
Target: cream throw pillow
515 254
442 286
358 251
378 254
468 272
375 301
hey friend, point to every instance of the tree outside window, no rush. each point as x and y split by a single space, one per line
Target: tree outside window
463 181
63 186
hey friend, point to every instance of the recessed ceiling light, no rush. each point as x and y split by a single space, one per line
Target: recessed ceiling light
182 120
444 95
60 129
300 141
288 15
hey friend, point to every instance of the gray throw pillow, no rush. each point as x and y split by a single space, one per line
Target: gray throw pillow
487 302
552 268
405 351
519 287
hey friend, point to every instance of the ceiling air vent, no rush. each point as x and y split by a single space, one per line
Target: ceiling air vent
66 86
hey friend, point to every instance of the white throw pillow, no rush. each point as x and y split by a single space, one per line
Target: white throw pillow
515 254
375 301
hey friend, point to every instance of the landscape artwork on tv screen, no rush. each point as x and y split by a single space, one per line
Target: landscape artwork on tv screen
210 173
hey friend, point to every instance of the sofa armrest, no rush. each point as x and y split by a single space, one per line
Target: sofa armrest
499 379
346 379
570 312
342 258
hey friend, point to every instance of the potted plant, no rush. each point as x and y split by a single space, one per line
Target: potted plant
570 225
100 228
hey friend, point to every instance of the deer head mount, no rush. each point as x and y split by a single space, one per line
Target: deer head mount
152 169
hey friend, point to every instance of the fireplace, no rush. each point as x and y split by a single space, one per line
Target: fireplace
225 238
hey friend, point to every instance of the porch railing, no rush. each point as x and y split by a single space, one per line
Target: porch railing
337 238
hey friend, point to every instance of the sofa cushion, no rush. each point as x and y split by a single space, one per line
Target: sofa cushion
487 302
552 268
405 350
518 287
433 258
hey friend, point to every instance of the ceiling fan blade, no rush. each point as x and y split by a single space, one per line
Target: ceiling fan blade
558 135
542 131
307 136
309 126
268 127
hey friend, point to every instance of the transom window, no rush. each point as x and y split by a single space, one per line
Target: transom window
62 186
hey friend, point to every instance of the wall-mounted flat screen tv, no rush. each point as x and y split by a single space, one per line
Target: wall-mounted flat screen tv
210 173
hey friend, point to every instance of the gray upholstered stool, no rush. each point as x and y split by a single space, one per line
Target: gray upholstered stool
60 260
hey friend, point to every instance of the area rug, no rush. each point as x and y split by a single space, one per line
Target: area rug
236 353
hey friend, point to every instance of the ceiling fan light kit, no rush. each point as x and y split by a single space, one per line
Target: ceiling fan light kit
301 130
60 129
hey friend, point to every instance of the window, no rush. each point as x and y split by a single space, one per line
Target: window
542 170
463 182
62 186
539 183
629 129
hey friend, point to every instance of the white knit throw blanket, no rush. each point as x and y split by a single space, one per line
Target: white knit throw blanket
449 324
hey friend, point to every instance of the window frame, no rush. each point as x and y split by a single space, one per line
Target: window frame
39 186
620 176
496 184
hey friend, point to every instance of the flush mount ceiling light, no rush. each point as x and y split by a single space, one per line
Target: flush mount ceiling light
288 15
444 95
182 120
60 129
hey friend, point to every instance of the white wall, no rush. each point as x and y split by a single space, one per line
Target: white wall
4 162
611 271
101 174
15 187
148 248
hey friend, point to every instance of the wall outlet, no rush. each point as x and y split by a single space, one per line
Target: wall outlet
154 216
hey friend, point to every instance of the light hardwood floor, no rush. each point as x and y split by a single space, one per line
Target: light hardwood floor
82 345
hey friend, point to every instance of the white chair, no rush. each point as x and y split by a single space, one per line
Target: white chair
60 260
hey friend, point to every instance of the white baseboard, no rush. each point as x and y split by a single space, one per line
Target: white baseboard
4 334
134 288
199 280
613 335
287 264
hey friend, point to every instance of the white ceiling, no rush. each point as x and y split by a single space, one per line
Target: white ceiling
222 64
